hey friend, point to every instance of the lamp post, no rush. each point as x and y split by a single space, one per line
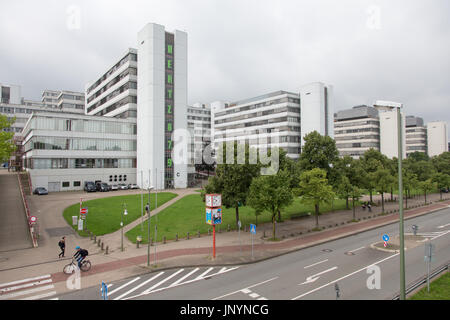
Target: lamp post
124 213
400 202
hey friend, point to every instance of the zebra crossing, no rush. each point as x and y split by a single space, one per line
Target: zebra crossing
162 280
34 288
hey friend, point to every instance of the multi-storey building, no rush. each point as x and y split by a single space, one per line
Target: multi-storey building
70 101
50 98
199 128
264 121
357 130
437 138
162 107
416 135
389 128
63 150
10 94
317 109
114 93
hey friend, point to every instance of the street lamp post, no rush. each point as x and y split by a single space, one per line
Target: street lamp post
400 197
124 212
148 229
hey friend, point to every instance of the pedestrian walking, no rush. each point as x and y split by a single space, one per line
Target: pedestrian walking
147 208
62 246
370 207
364 206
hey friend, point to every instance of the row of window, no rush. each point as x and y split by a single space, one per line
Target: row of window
129 71
78 125
118 104
78 163
258 114
355 124
358 145
359 137
121 89
260 123
59 143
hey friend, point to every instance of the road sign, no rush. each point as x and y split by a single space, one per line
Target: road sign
104 291
33 219
386 238
253 228
83 211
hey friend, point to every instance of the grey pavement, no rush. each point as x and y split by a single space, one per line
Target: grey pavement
231 249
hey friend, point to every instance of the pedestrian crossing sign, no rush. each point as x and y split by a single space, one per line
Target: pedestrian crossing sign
253 228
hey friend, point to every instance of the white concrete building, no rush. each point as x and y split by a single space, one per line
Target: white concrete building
317 109
71 101
50 98
416 135
10 94
264 121
357 130
162 106
114 93
437 138
63 150
389 128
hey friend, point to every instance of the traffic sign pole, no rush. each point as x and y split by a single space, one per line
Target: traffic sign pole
214 241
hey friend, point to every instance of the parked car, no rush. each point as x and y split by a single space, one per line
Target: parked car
89 186
133 186
40 191
123 186
102 187
114 187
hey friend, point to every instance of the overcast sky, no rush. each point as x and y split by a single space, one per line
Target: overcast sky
368 50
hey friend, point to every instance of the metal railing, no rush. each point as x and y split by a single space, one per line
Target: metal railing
31 226
423 280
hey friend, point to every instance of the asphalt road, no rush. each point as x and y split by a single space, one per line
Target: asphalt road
311 273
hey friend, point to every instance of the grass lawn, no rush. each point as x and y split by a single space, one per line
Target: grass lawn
188 215
104 215
439 290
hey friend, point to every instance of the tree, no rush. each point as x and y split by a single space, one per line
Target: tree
320 152
427 186
409 181
371 161
315 190
7 146
442 163
271 193
232 180
442 180
355 194
383 181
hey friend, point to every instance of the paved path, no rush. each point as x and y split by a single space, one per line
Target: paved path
14 232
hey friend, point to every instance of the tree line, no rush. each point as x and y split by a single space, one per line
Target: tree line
320 174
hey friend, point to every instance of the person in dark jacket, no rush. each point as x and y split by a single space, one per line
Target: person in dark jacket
62 246
80 255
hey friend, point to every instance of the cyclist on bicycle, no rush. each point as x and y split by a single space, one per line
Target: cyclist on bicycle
80 255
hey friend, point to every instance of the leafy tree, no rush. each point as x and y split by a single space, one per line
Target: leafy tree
7 146
271 193
355 193
315 190
442 163
409 181
427 186
232 180
442 180
371 161
383 180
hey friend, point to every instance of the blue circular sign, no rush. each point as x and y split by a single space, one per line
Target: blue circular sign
385 237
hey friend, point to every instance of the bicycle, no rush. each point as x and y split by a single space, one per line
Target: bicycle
71 267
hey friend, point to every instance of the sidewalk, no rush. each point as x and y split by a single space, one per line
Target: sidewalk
231 249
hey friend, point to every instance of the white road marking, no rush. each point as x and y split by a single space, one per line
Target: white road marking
25 292
182 278
346 276
254 295
246 291
137 287
262 298
440 227
357 249
24 280
254 285
26 285
314 264
313 278
123 286
162 281
204 273
44 295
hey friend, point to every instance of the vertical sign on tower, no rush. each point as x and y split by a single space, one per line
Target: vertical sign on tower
169 109
213 214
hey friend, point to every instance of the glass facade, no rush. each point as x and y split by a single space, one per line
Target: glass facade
60 143
79 163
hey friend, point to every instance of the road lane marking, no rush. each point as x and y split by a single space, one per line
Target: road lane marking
137 287
25 292
182 278
204 273
44 295
313 278
356 249
124 285
440 227
314 264
254 295
161 282
26 285
346 276
24 280
254 285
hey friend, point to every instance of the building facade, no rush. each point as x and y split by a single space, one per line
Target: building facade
437 138
357 130
62 151
389 128
162 107
317 109
416 135
263 122
114 93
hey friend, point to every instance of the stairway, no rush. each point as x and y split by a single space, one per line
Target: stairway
24 179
